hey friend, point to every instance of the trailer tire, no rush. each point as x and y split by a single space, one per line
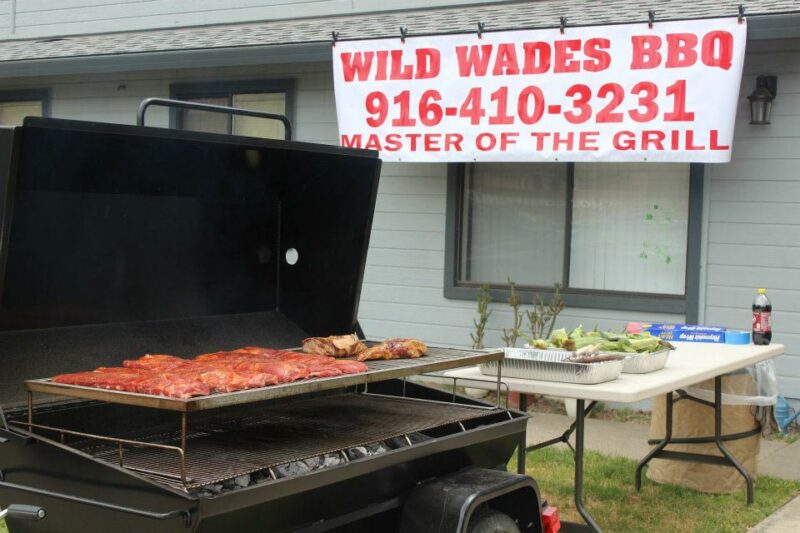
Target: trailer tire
493 522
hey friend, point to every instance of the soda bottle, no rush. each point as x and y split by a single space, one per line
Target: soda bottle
762 311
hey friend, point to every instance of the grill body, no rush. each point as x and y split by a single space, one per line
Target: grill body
117 241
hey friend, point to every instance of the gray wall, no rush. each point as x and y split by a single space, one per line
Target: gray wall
46 18
752 216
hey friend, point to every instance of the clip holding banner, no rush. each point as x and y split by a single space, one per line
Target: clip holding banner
334 37
481 25
403 34
563 24
651 17
741 13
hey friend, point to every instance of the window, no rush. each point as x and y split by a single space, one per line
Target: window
16 105
271 96
613 235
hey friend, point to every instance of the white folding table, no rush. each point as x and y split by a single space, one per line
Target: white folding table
689 364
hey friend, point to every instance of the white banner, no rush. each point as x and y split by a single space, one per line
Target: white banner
601 93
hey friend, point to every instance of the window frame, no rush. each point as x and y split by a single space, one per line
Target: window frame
28 95
227 88
686 304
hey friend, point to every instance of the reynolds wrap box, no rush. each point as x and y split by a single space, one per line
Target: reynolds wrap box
686 332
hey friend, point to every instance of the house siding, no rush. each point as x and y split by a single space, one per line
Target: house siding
754 212
752 220
46 18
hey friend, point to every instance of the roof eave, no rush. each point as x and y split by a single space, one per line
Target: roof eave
197 58
759 28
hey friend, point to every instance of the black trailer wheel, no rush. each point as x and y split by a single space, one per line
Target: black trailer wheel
493 522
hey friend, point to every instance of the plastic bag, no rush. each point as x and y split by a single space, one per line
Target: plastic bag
761 390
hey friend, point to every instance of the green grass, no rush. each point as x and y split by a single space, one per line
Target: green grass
3 528
611 498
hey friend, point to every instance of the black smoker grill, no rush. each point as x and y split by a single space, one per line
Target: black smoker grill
121 240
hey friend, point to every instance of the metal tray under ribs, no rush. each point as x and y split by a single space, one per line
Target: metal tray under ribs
223 448
435 359
549 365
644 363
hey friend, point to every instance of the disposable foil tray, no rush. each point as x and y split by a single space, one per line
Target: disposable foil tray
645 362
549 365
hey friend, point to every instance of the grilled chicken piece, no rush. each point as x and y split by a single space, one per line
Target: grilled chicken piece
394 349
335 345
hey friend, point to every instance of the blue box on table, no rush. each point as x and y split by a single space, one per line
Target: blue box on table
686 332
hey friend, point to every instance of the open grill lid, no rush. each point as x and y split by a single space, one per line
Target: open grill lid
123 240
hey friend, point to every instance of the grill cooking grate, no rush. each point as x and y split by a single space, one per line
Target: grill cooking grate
220 449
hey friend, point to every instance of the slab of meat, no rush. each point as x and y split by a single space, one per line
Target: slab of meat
284 371
214 356
173 385
240 353
225 380
104 378
347 366
156 362
245 368
305 358
255 350
336 345
394 349
317 365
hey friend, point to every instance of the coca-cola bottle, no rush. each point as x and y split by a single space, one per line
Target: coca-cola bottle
762 311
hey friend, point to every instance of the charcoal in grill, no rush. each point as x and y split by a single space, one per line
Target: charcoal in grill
242 481
295 468
331 459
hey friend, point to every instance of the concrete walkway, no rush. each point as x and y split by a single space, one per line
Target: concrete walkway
629 439
784 520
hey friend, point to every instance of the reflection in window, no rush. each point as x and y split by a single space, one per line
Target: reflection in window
599 227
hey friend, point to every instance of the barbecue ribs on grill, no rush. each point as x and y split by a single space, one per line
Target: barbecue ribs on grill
245 368
394 349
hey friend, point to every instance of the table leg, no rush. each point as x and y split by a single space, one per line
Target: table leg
522 446
660 447
564 436
727 458
576 427
721 446
579 438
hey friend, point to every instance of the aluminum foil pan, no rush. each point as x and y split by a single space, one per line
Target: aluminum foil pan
549 365
645 362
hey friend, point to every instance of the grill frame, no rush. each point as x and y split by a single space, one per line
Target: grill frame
436 359
264 439
284 503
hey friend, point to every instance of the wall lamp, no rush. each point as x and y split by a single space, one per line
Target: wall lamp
761 99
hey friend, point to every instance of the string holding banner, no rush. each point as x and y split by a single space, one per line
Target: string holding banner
651 17
562 24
